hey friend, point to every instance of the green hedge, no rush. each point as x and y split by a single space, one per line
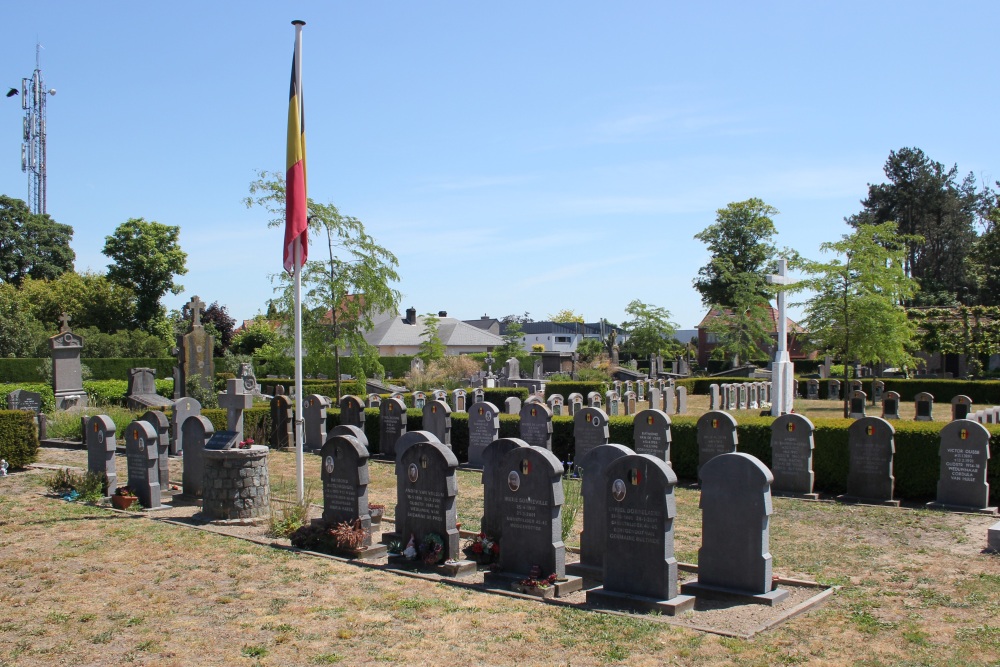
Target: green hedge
567 388
498 395
48 396
112 368
18 437
114 392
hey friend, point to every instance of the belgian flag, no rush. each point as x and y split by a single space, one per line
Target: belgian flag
296 222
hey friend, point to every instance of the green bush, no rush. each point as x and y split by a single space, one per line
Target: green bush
48 397
566 388
114 392
498 395
18 437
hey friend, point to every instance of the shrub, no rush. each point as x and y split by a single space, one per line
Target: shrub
18 437
578 387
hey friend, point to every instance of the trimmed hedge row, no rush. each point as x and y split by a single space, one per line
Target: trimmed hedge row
18 437
582 388
111 368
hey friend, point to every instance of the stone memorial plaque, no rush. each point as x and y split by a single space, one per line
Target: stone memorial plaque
437 420
101 448
595 520
494 482
716 435
531 505
223 440
391 425
22 399
425 495
890 405
280 433
924 404
183 408
590 429
792 445
833 390
197 431
965 453
536 425
350 430
871 446
857 404
812 390
459 399
651 434
419 400
961 406
484 428
512 405
344 473
314 417
352 411
142 454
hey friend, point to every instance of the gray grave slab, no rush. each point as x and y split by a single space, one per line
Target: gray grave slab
22 399
223 440
640 570
425 496
101 448
716 435
812 390
162 426
484 428
349 430
142 454
141 391
590 429
965 454
234 401
833 390
494 482
352 411
890 405
391 425
67 371
993 538
871 447
961 407
345 478
314 421
735 555
670 401
924 407
281 434
535 426
512 405
792 444
197 431
857 404
651 434
419 400
595 520
437 420
682 400
183 408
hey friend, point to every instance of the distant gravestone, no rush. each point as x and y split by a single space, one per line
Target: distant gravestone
195 352
101 448
792 445
714 398
640 570
812 390
965 453
613 403
716 435
197 431
391 425
345 478
512 405
630 400
352 411
594 400
742 396
555 403
655 399
735 557
871 447
374 400
590 429
924 404
961 406
494 482
249 380
890 405
419 400
595 521
437 420
857 404
142 454
833 390
314 417
531 507
234 401
575 401
651 434
669 401
352 431
682 400
753 393
512 369
67 371
425 495
22 399
478 395
732 398
280 433
183 409
536 425
141 393
159 421
878 389
484 428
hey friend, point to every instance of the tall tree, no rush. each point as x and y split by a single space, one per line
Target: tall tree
740 330
31 245
649 330
90 299
856 312
743 252
936 211
145 257
565 316
222 324
431 346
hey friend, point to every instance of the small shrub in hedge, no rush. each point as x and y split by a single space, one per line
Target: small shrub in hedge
18 437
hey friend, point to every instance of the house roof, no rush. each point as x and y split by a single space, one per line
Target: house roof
770 319
562 328
396 331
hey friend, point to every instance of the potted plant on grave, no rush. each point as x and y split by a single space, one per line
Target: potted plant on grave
350 536
431 549
482 548
535 584
377 511
124 498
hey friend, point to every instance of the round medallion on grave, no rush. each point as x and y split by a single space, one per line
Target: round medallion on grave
329 465
413 472
514 480
618 490
100 434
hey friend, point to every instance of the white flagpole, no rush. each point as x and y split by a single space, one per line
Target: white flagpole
299 421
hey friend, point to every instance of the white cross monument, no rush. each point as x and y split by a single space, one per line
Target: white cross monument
782 369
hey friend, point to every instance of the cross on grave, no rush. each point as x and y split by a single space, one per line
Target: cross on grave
782 370
194 306
64 323
235 401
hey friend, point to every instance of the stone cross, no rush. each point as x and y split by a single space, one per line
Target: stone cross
64 323
235 401
195 306
782 370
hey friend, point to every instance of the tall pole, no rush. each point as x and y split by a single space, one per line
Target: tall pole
299 421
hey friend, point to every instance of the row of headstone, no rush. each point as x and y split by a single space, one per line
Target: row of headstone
457 400
740 396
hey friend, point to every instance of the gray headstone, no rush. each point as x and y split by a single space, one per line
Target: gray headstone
812 390
391 425
101 447
234 401
857 404
595 498
352 431
512 405
536 425
142 454
791 454
531 505
478 396
141 391
183 408
437 420
494 482
924 404
67 372
280 434
714 399
871 446
655 399
629 401
890 405
197 431
590 429
425 495
484 428
314 417
716 435
159 421
670 401
961 406
419 400
556 404
22 399
965 452
833 390
344 472
374 400
651 434
682 400
352 411
878 389
594 400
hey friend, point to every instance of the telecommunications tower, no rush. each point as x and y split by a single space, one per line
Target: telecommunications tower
33 94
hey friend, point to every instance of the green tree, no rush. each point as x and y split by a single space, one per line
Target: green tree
565 316
219 324
431 346
649 330
740 332
31 245
146 256
20 334
90 299
513 333
856 312
254 337
742 253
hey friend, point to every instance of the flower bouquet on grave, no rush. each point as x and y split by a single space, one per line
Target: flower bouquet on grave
123 498
535 584
482 548
245 444
431 549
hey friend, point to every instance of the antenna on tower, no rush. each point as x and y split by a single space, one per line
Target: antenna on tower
33 96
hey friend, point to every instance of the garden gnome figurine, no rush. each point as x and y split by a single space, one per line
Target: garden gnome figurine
3 467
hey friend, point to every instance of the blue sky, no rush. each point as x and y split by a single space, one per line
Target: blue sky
516 156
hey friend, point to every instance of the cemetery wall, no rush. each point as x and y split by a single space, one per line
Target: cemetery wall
583 388
18 437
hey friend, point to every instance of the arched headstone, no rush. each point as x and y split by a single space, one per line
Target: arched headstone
590 429
871 447
197 431
595 524
425 495
494 478
651 434
716 435
792 447
101 447
159 421
352 411
965 454
437 420
535 426
142 454
345 477
484 428
391 425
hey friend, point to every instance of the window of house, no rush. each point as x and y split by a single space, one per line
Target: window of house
562 339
